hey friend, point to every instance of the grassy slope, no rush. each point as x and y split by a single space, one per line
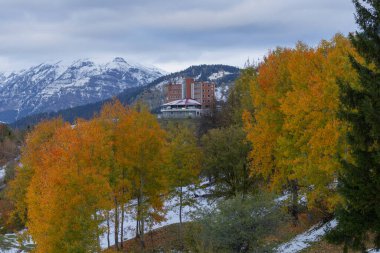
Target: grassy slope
166 238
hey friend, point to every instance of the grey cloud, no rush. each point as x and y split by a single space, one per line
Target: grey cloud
163 32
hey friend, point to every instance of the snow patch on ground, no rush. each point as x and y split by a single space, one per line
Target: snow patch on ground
9 243
305 239
171 217
2 173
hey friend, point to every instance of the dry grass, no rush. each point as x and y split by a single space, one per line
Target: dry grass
165 239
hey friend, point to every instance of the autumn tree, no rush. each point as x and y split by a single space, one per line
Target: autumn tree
37 142
295 132
68 190
110 116
264 127
186 158
312 136
62 185
143 151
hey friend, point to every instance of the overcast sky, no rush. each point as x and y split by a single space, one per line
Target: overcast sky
170 34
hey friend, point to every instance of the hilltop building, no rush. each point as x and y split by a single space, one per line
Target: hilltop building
188 99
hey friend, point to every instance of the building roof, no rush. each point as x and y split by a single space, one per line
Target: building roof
186 101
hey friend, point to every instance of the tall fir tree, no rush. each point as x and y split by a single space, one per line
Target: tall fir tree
359 182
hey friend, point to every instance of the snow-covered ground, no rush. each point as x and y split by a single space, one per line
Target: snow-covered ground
171 217
9 242
305 239
2 173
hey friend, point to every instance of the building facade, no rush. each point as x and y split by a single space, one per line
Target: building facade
183 108
203 92
174 92
188 99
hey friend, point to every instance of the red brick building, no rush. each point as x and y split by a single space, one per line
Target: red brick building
174 92
203 92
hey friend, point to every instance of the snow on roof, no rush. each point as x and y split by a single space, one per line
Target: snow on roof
186 101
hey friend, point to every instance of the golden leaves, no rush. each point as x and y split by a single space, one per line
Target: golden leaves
295 132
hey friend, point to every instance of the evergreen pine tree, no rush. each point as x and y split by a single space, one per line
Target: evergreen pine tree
359 182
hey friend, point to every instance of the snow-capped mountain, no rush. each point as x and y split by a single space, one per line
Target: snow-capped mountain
52 87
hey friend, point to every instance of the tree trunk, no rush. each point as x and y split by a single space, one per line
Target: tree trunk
98 248
142 223
122 226
116 224
294 205
180 216
108 229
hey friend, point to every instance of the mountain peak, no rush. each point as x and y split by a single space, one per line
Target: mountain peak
54 86
119 59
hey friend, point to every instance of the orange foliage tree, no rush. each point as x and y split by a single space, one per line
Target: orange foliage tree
295 132
68 189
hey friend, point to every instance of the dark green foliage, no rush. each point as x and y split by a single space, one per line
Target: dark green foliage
359 182
239 224
239 99
10 171
9 142
226 163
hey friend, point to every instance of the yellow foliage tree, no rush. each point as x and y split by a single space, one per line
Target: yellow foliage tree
296 135
143 150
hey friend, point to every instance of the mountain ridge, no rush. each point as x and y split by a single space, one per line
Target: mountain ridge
54 86
152 94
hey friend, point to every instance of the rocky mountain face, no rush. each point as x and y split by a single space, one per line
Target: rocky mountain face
52 87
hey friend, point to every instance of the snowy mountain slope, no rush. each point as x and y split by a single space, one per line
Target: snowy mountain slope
52 87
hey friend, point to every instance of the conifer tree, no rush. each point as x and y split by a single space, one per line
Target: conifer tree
359 181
